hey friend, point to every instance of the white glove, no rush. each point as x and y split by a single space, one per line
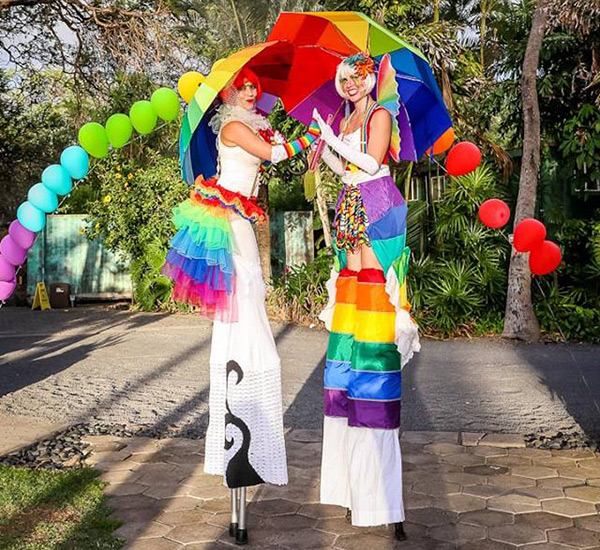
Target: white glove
278 153
363 161
333 161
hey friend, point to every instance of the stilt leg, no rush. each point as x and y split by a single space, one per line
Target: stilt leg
233 526
241 536
399 533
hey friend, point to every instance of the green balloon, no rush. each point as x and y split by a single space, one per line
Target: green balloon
92 137
143 116
166 104
118 130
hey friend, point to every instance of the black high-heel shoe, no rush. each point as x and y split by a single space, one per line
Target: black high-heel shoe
399 533
349 515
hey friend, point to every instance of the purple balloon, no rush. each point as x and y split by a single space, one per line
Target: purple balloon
7 270
12 251
7 288
21 235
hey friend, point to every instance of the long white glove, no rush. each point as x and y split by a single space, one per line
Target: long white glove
333 161
364 161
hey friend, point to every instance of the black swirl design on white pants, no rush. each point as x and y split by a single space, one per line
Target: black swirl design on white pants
239 471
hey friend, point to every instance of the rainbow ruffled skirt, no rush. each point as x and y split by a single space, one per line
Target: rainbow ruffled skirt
200 261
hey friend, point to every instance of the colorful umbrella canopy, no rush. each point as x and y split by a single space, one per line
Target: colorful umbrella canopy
406 85
297 65
289 72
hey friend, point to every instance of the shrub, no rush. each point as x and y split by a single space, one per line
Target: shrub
133 215
463 277
299 295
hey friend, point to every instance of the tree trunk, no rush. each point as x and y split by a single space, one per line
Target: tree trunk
482 32
520 321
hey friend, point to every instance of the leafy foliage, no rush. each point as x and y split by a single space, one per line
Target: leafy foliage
299 295
133 216
464 275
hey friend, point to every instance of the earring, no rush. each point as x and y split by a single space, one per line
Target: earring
347 109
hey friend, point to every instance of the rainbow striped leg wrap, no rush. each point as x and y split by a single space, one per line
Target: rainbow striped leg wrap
339 349
292 148
375 381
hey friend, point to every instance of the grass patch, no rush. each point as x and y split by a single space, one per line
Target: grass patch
54 510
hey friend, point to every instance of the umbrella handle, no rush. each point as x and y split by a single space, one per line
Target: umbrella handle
319 150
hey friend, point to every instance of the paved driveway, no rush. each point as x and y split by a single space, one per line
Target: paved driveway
95 364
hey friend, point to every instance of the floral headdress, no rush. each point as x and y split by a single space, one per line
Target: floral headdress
362 63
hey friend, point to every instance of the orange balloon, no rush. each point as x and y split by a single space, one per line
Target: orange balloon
443 143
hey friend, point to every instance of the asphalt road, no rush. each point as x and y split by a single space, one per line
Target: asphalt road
94 364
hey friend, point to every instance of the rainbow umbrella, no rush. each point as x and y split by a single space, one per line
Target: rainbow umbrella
297 66
286 71
405 85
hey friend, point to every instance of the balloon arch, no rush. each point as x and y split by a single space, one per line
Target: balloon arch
96 141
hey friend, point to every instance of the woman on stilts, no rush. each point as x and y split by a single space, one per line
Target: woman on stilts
214 262
372 333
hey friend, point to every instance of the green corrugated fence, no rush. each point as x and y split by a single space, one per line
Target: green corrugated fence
63 254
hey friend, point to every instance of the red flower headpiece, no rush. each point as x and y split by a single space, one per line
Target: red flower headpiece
362 62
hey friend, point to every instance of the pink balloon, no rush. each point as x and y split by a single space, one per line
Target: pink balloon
12 251
7 270
7 288
21 235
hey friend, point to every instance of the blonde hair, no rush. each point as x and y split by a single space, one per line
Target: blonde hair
347 70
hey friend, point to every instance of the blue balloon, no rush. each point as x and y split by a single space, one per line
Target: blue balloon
76 161
31 218
57 179
43 198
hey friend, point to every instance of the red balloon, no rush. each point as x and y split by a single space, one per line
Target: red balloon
463 158
494 213
529 234
545 258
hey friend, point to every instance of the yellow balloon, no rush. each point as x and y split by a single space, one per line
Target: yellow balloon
188 84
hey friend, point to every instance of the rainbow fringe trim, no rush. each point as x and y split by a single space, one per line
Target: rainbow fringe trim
200 260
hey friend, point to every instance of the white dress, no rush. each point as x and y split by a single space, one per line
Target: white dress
244 441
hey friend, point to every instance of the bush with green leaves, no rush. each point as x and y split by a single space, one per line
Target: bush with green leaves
133 216
568 303
463 275
299 295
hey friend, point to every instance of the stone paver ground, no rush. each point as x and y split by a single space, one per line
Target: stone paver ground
460 493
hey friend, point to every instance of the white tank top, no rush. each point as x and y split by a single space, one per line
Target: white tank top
238 169
354 178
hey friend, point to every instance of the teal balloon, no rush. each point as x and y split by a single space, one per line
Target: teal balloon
92 137
43 198
57 179
166 104
143 116
75 161
118 130
31 218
